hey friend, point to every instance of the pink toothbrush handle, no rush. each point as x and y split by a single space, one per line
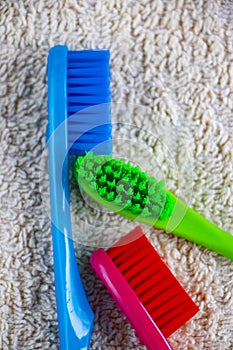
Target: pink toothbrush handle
145 328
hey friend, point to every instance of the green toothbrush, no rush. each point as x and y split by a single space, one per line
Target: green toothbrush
127 190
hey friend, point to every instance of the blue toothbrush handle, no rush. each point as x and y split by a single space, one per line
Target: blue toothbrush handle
75 317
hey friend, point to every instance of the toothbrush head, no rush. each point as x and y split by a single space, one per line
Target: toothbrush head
123 187
79 99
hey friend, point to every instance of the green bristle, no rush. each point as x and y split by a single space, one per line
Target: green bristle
125 185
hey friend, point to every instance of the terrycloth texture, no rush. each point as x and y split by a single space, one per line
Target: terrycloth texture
172 79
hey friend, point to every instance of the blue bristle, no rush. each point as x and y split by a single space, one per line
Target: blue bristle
86 72
88 101
87 55
84 91
99 131
91 81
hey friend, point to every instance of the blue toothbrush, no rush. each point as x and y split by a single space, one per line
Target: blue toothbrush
79 120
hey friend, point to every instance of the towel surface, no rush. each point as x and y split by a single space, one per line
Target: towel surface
171 81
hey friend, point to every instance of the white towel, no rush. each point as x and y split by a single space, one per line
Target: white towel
171 80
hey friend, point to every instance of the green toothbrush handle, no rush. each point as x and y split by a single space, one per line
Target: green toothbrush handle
184 222
188 224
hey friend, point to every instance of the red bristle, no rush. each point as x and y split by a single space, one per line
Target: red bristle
154 284
176 318
131 270
120 254
148 273
160 291
169 305
132 259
